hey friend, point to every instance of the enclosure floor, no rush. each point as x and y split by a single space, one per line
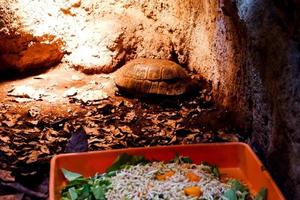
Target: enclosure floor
66 111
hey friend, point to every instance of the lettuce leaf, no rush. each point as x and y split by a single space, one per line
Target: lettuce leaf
213 169
70 176
180 159
125 160
261 195
79 188
238 191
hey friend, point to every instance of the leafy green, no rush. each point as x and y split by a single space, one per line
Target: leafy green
95 188
237 186
80 188
180 159
125 160
83 192
72 193
99 192
230 194
110 174
213 169
70 176
238 191
261 195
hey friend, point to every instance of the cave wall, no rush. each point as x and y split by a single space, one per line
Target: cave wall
273 76
21 50
98 36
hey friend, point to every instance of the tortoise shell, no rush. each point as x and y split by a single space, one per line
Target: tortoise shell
152 76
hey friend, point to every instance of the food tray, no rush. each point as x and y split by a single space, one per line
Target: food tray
236 160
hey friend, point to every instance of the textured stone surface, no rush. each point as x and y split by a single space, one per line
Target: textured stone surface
22 51
273 61
101 36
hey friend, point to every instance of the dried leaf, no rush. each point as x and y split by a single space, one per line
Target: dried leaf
173 140
44 149
12 197
130 116
34 111
171 123
91 131
125 129
78 142
7 150
10 123
33 122
228 137
33 156
4 139
6 176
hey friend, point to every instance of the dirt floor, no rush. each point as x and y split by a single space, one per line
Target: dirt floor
66 111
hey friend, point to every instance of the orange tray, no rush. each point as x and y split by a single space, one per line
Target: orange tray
236 160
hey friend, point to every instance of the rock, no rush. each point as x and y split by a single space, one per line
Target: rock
106 33
70 92
272 87
25 91
76 78
102 51
23 51
78 142
91 96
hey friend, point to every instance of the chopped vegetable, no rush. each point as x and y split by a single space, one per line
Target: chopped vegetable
85 188
193 191
70 176
165 176
128 174
213 169
72 193
192 177
125 160
237 192
261 195
181 159
236 185
230 195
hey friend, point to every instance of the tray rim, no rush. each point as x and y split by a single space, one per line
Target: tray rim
241 144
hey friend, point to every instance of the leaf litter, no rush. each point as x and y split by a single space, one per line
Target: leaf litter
27 142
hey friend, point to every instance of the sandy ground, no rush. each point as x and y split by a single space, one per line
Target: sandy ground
51 92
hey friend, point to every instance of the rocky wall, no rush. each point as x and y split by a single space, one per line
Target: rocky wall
22 50
273 78
99 36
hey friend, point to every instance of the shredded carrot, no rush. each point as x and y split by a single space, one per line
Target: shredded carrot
192 177
164 176
194 191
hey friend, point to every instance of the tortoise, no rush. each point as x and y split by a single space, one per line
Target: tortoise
152 76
